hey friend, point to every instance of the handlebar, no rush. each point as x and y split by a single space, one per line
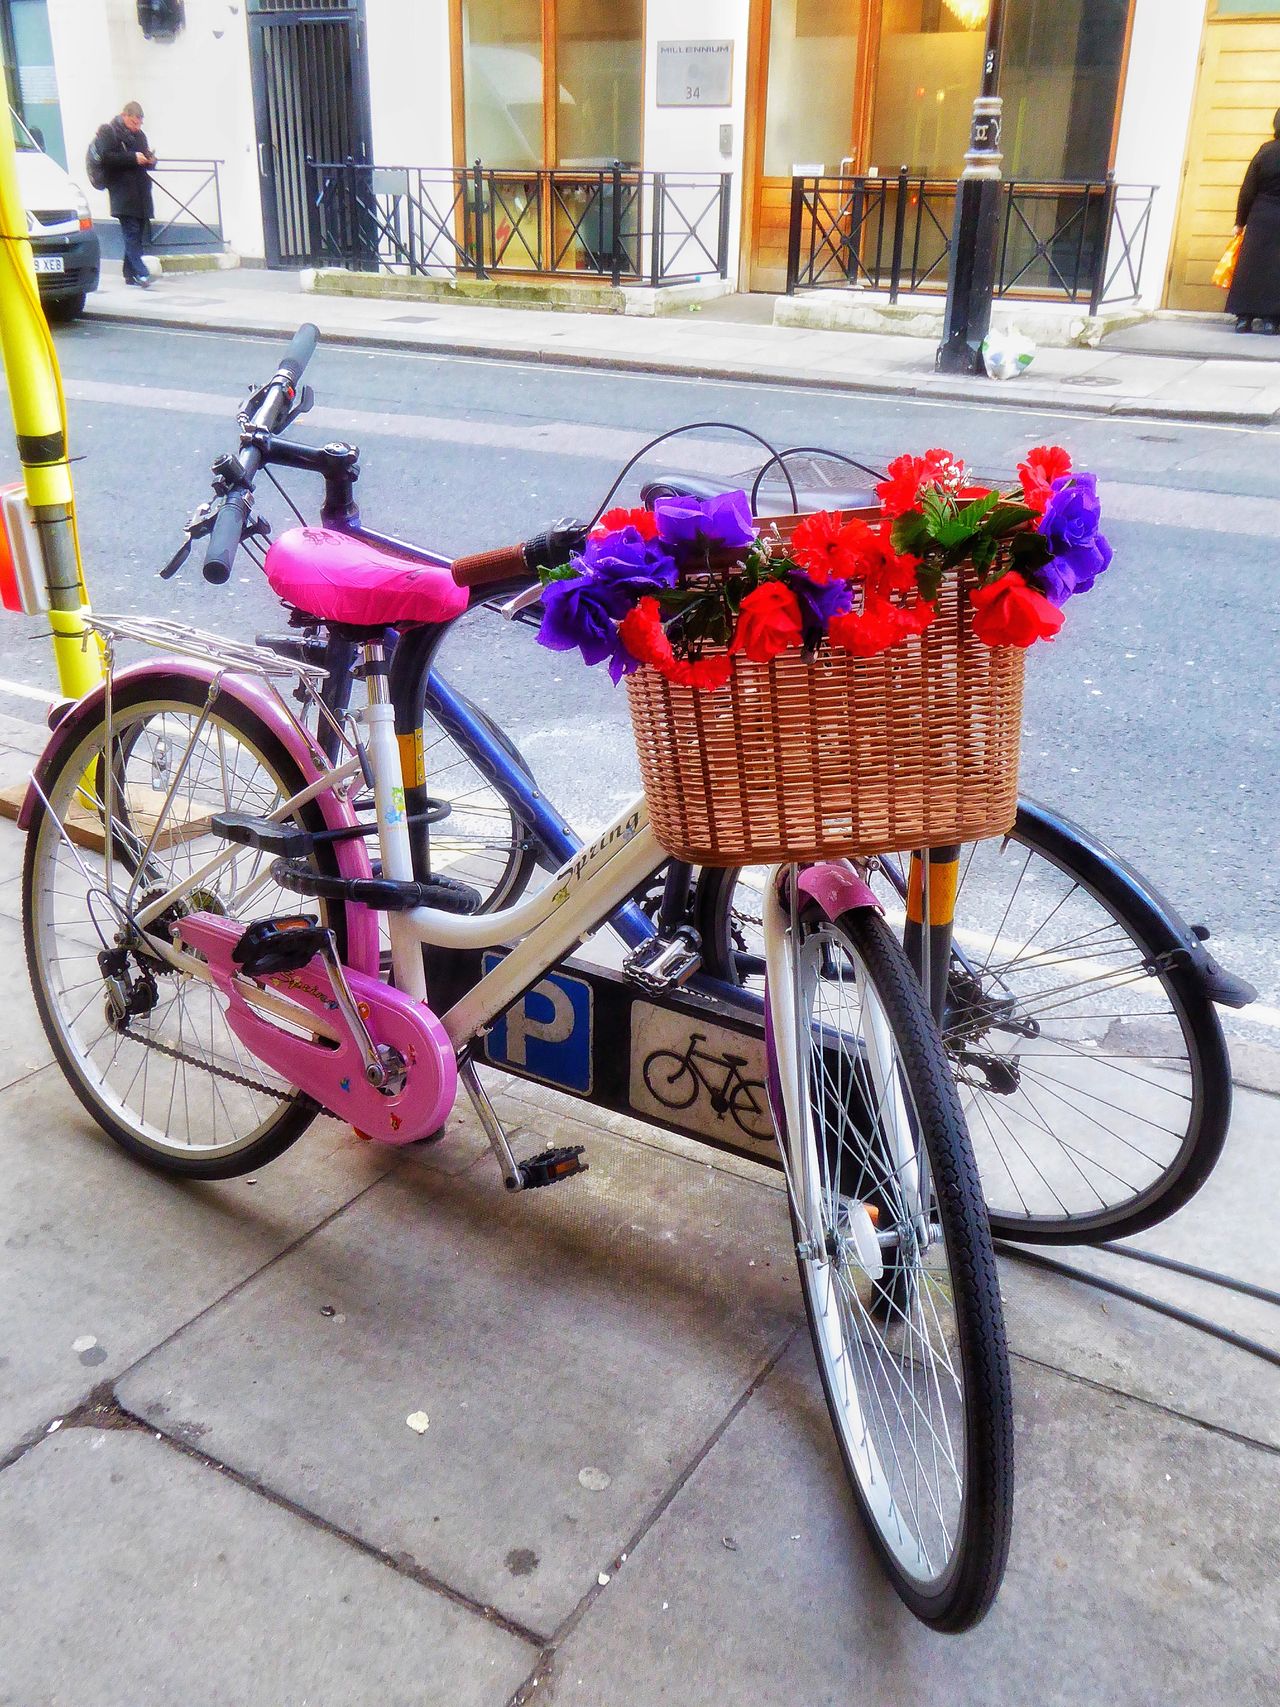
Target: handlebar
547 550
271 406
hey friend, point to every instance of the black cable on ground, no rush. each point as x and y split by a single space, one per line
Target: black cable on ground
1036 1260
1206 1274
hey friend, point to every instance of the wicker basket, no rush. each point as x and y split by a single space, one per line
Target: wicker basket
916 747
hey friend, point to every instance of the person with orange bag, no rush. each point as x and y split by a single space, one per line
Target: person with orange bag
1254 297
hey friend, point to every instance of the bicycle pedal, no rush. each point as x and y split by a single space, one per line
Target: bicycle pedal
664 962
285 944
550 1166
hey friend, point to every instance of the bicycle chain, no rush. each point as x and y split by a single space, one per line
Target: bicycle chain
210 1067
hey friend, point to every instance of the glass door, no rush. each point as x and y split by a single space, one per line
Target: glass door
810 123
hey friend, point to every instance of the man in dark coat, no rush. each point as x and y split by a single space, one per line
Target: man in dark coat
1254 297
126 162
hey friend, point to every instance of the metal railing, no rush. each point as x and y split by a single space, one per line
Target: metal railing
188 201
612 222
1066 241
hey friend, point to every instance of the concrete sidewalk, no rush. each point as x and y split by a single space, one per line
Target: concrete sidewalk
706 344
628 1492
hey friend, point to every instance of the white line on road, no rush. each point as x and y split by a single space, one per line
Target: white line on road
20 690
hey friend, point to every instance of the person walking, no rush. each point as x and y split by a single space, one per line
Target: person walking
1254 297
126 162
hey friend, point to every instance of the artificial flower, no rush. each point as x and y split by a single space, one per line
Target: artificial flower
643 635
612 521
1074 570
724 521
873 629
1007 612
1044 465
819 544
909 476
819 601
1071 512
769 622
581 613
706 673
629 562
873 560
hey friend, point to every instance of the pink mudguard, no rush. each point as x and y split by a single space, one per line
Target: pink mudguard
334 1076
836 887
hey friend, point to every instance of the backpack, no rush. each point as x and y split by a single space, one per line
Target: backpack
94 169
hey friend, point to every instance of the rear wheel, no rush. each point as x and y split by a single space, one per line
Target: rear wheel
896 1264
1095 1077
145 1047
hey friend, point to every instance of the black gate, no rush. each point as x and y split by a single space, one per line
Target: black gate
310 102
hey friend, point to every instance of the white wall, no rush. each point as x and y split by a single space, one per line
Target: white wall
1155 118
409 83
687 139
195 92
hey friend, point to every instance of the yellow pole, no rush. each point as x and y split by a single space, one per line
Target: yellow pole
40 423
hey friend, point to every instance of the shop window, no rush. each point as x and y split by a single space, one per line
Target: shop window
1060 79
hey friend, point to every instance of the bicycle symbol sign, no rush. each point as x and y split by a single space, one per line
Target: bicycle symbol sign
712 1076
547 1033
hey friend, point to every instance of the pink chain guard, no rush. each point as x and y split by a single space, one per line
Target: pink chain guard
334 1076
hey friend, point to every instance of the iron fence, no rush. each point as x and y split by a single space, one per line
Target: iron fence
188 202
613 222
1065 241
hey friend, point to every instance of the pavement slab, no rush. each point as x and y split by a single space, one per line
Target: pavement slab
133 1574
1228 1228
1143 1548
607 1326
95 1248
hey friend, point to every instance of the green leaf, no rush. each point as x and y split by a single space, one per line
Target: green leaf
939 511
1006 516
910 534
565 572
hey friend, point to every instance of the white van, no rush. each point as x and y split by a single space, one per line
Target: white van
59 226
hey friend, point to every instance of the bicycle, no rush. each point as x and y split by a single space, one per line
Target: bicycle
1092 1119
161 960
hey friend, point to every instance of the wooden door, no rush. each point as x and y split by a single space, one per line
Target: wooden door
1236 98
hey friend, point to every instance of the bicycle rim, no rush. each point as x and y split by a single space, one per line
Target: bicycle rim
172 1084
897 1271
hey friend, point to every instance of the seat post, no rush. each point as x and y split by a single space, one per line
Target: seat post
393 817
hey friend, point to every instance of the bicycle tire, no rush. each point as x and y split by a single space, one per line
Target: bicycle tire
1192 1152
751 1111
159 696
864 1130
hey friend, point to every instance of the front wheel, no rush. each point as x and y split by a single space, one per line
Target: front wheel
895 1261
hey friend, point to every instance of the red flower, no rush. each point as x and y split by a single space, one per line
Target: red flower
909 475
874 561
1010 613
612 521
704 673
768 622
643 635
1044 465
818 545
917 617
864 633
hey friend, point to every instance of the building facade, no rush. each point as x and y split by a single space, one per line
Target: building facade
1166 93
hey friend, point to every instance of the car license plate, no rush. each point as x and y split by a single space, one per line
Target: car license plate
50 264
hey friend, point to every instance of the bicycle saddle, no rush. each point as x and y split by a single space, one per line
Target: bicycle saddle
336 578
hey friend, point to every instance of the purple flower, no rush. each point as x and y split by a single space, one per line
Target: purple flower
1072 513
582 612
724 520
627 560
1074 570
819 602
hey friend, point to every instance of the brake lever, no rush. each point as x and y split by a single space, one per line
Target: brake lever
200 524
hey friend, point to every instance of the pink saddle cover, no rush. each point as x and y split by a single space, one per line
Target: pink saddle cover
335 1076
340 579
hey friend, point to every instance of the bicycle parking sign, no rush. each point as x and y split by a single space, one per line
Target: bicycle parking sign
547 1034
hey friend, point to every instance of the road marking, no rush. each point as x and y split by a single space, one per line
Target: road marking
20 690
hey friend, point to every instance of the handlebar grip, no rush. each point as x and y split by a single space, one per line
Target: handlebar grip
224 539
300 351
482 567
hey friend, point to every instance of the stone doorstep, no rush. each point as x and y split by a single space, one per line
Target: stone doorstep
1051 325
584 296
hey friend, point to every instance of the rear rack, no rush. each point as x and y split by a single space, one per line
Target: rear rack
233 655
